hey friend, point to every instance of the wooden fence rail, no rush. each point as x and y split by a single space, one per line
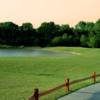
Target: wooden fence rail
66 84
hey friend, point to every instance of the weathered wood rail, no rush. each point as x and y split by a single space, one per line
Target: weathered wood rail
36 95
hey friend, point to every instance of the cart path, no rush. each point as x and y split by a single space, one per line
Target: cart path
89 93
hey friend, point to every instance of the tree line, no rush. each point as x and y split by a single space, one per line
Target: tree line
84 34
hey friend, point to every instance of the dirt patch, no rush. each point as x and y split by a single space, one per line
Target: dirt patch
76 53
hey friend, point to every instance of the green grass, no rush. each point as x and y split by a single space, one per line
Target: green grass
20 75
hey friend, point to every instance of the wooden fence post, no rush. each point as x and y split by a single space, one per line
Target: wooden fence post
67 84
94 77
36 94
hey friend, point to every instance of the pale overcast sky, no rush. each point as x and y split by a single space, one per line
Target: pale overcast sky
59 11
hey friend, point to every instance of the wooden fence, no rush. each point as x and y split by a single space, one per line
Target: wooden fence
36 95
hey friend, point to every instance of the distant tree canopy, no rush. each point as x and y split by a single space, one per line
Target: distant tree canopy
84 34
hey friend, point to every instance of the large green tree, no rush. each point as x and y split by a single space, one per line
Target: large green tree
27 34
46 32
8 33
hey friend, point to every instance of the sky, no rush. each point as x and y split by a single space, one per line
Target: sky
60 11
